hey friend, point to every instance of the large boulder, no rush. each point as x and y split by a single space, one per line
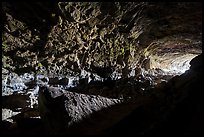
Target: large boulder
60 109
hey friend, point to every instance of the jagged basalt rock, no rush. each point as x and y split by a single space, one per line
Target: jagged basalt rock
76 35
76 61
61 109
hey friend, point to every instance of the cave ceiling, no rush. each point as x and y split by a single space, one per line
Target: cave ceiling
67 37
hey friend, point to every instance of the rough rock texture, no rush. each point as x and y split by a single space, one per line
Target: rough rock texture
60 109
173 109
7 113
106 51
66 37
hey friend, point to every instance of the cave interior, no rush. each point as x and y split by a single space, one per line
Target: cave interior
102 68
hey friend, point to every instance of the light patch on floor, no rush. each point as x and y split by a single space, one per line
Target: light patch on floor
7 114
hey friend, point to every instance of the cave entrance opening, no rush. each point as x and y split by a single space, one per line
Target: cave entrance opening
172 63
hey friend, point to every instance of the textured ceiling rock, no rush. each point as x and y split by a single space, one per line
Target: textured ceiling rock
66 37
74 40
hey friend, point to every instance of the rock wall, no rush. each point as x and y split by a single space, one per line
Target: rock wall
101 53
64 38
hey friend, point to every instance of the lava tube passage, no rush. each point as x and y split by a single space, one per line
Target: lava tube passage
173 63
172 57
102 68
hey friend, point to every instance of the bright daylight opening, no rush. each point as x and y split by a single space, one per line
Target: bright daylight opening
172 63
